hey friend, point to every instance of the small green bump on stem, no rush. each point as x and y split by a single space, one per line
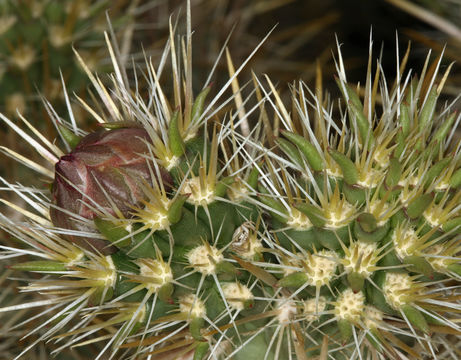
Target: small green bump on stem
398 218
435 171
356 281
175 139
309 151
39 266
455 180
394 173
453 225
165 292
112 232
446 127
345 329
355 194
350 94
419 205
225 267
223 185
378 300
102 294
295 280
313 213
363 125
142 245
197 107
253 178
411 90
123 263
374 236
290 150
195 327
405 119
367 222
120 125
427 112
328 238
433 320
456 268
374 337
175 210
69 137
273 204
248 304
416 318
421 146
400 141
420 265
354 97
201 350
348 168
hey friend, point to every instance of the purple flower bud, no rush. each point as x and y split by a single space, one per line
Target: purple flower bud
106 168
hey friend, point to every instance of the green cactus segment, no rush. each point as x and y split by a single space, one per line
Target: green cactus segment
367 222
455 180
353 97
176 209
356 281
405 119
373 236
453 225
400 141
176 142
419 205
355 107
445 128
419 264
197 107
416 318
223 185
455 268
394 173
116 234
195 327
201 350
309 151
348 168
253 178
427 112
40 266
291 151
69 137
345 328
363 125
313 213
277 210
435 170
355 194
225 267
296 280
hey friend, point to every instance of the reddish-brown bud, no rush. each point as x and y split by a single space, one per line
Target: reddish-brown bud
105 168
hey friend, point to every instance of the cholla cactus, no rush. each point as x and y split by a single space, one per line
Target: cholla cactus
177 232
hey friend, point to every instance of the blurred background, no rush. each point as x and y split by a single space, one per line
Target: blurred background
37 38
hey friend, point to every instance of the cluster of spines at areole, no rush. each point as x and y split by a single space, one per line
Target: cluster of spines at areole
328 229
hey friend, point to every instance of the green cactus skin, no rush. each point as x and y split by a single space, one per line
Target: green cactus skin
342 242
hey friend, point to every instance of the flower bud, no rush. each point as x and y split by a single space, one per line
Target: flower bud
106 169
